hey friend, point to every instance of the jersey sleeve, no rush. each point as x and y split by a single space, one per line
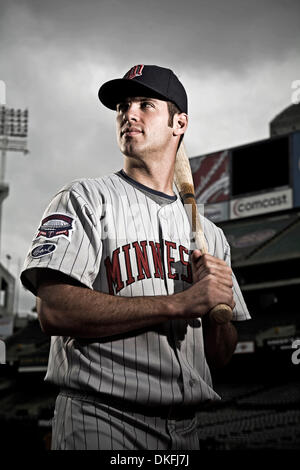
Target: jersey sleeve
240 311
68 240
219 247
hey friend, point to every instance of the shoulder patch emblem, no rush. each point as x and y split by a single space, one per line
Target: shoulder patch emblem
56 225
43 250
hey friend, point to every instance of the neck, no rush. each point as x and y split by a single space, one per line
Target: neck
156 174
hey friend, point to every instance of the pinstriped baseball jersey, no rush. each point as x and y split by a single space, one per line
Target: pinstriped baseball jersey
113 236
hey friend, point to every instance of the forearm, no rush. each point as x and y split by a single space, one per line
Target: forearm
219 341
76 311
67 308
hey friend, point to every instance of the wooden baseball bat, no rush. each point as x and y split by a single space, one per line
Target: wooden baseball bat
183 179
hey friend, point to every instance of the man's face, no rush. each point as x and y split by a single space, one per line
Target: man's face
142 126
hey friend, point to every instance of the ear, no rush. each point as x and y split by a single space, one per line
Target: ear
180 123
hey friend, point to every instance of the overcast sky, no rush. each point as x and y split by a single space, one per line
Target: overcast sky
236 58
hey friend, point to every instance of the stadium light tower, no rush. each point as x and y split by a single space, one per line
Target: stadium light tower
13 138
13 133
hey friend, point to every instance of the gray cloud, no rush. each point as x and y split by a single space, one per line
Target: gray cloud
204 33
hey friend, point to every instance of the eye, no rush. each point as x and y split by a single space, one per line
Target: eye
122 107
147 104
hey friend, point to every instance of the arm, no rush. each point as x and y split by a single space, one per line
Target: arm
219 339
68 308
219 342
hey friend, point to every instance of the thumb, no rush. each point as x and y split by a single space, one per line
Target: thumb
196 255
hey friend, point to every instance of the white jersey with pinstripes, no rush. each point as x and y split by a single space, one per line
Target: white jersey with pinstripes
112 237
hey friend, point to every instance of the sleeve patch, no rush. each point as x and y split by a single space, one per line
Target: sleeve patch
43 250
56 225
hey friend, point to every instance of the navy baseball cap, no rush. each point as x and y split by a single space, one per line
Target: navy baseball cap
145 80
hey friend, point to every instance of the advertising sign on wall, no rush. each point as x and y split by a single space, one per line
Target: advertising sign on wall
211 177
261 203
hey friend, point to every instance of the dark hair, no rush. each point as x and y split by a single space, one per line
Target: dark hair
173 109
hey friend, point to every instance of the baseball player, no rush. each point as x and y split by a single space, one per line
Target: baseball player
122 294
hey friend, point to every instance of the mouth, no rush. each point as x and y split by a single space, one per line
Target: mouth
131 131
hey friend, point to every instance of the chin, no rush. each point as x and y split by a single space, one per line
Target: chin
133 151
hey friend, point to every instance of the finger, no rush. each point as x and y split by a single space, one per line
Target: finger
224 279
210 265
224 295
208 259
214 267
223 271
229 293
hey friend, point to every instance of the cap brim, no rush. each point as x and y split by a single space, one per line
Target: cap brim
113 92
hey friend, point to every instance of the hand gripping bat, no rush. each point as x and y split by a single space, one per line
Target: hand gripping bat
183 179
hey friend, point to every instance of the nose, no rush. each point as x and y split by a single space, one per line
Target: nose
131 113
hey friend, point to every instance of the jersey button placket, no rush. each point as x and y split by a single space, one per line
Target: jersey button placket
165 236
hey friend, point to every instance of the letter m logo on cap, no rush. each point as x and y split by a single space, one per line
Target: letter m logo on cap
135 71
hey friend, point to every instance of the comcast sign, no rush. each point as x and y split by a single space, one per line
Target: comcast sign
261 204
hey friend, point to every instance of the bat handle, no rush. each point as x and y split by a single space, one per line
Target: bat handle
221 313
